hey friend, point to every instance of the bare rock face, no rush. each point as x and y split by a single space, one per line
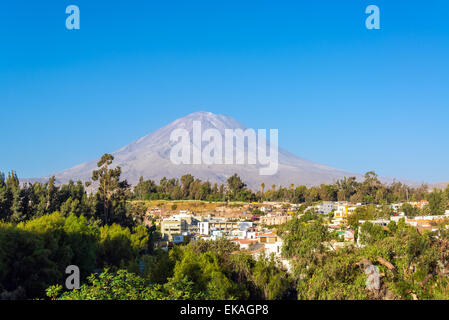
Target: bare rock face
149 157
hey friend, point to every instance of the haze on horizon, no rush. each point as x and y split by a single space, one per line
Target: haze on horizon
341 95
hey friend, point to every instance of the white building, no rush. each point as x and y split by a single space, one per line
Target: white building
272 244
343 210
210 225
326 207
204 228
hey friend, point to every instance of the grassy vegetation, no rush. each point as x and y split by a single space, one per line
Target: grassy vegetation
197 206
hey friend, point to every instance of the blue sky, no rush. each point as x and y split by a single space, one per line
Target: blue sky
340 94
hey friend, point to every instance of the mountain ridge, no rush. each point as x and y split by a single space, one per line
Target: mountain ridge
440 185
148 156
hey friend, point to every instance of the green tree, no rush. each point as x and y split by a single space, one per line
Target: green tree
438 202
111 189
235 186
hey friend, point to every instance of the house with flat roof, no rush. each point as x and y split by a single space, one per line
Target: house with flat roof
172 227
244 244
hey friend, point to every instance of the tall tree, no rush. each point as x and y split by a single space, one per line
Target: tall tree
109 183
186 181
235 185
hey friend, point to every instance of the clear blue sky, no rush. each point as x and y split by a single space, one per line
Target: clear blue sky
340 94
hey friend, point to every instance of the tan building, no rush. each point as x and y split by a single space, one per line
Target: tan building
225 226
271 220
268 238
172 227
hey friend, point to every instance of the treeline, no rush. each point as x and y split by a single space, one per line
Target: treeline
190 188
28 201
22 202
370 191
110 202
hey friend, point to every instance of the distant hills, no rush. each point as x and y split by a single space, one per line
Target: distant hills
440 185
149 157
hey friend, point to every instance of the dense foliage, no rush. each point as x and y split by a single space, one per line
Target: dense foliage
34 254
193 271
109 202
412 264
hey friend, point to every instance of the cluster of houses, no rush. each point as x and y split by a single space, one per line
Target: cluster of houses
342 210
421 223
176 228
251 236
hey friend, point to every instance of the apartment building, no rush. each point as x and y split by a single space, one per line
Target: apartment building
172 227
326 207
343 210
271 220
206 227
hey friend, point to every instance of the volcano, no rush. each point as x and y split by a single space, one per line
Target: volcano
149 157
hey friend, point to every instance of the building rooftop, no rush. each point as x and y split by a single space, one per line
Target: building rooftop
270 234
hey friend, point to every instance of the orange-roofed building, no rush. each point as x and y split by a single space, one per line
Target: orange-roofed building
244 243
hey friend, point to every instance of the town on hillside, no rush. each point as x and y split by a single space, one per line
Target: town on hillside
253 226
